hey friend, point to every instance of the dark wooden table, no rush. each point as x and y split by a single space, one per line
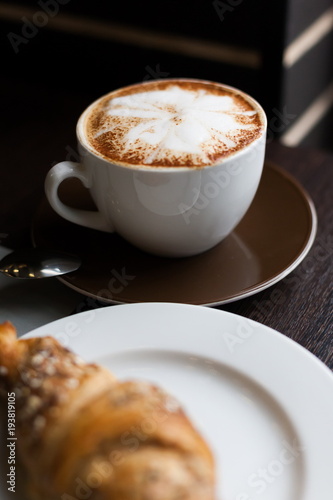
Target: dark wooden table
39 130
300 306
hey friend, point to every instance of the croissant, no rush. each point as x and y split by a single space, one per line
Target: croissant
83 434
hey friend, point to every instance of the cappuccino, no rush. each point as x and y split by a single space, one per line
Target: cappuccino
172 165
172 123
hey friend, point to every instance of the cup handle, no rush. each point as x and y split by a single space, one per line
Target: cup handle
87 218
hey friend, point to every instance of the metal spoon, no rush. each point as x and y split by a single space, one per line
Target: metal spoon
36 263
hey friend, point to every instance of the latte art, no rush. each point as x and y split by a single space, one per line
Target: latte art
172 123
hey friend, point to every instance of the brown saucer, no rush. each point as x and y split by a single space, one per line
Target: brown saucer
272 239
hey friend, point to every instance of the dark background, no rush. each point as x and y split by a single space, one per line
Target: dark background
50 74
44 54
59 55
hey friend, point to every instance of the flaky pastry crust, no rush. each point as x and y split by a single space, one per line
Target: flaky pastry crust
81 433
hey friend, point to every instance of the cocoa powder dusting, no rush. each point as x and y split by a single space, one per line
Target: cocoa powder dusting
108 135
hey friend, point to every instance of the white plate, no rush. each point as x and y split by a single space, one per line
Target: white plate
263 403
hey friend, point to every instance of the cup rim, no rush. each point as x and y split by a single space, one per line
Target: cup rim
84 143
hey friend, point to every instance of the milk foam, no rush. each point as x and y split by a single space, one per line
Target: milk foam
174 126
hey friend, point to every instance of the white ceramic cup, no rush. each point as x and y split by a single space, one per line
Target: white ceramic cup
168 211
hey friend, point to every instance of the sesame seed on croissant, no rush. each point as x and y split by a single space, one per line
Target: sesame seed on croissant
81 433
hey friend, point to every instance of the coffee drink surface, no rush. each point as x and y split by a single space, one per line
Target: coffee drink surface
172 123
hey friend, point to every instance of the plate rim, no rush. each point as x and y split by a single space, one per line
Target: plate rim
284 339
265 332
